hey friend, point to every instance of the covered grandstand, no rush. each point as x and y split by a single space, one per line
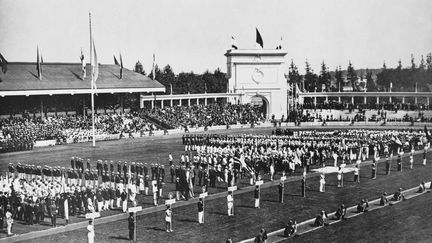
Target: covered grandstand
62 88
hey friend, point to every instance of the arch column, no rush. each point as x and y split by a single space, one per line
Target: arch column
415 100
352 100
205 101
162 104
189 102
377 100
171 102
403 99
390 99
364 100
315 100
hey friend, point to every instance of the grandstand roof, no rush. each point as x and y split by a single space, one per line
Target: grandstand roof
66 78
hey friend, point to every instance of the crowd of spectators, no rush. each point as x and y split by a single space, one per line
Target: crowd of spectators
210 115
394 106
20 133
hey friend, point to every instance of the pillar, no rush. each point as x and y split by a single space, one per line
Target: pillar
390 99
189 102
403 99
41 107
352 100
152 104
162 104
415 100
339 99
377 100
205 101
122 102
171 102
84 112
315 98
326 99
364 100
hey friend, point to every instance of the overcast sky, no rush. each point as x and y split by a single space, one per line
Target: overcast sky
193 35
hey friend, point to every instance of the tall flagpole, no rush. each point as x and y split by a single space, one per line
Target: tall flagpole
92 86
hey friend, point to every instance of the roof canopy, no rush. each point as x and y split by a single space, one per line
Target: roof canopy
66 78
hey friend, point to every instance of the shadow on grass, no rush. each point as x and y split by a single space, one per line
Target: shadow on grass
244 206
268 200
187 220
217 213
155 228
119 237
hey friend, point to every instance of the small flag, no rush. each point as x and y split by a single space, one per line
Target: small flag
154 66
233 43
119 64
121 67
3 63
279 47
83 65
95 68
259 39
38 65
428 137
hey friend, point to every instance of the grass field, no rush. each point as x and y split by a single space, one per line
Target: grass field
248 220
408 221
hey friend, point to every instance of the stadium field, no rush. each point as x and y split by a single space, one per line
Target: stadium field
248 221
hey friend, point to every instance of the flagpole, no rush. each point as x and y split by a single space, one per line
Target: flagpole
92 89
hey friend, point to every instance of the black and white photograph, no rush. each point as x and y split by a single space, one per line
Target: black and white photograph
215 121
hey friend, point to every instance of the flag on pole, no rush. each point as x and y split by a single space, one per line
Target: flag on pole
153 68
428 136
121 67
259 39
3 63
83 65
95 67
38 65
279 47
233 43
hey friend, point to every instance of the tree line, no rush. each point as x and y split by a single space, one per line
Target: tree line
399 78
187 82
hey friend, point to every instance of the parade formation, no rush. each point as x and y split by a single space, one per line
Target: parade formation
215 122
31 193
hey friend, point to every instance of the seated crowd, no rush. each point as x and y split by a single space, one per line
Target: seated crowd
210 115
18 134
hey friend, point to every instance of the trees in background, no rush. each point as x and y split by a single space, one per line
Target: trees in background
187 82
406 79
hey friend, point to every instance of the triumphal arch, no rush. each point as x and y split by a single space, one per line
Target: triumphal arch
259 76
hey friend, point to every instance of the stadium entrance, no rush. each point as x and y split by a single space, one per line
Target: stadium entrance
261 103
255 74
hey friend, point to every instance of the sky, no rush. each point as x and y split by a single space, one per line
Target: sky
193 35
